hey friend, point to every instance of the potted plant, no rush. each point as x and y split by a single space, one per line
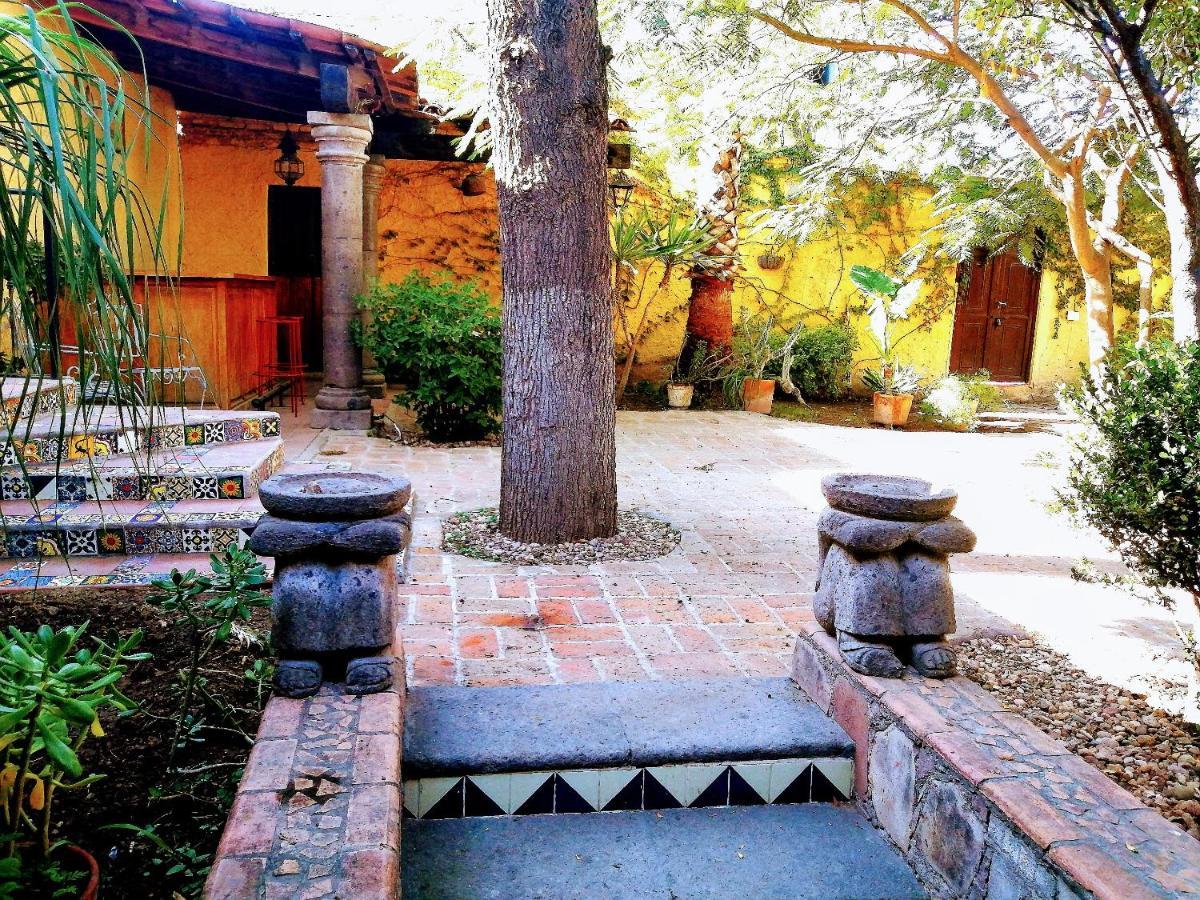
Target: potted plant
754 349
684 377
893 384
893 388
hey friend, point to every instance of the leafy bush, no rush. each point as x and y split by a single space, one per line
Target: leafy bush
1135 472
822 360
956 400
444 338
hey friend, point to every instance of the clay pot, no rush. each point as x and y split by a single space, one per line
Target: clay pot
758 395
891 409
770 260
679 396
85 861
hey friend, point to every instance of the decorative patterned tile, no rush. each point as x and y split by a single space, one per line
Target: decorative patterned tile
196 540
110 541
82 543
231 487
193 435
214 433
204 488
658 787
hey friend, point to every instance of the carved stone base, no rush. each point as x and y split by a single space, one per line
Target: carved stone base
341 419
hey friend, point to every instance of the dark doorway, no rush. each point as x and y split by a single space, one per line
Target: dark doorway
294 258
994 316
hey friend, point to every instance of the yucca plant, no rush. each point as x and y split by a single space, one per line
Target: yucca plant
72 221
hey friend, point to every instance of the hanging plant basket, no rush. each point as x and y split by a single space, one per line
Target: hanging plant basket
770 260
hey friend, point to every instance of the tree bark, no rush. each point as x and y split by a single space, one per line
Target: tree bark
710 312
1095 262
549 118
1183 230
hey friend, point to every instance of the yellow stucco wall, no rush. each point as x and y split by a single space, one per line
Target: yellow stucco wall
814 286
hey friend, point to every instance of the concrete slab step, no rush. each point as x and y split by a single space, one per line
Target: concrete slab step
108 431
23 398
228 470
811 852
619 746
125 527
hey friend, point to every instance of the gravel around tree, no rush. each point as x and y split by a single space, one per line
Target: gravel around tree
638 536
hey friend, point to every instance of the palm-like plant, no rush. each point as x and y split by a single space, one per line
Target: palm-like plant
72 220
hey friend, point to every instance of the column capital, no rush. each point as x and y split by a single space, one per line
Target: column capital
341 137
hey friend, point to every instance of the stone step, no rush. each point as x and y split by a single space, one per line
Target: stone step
25 398
92 573
219 471
619 746
125 527
811 852
108 431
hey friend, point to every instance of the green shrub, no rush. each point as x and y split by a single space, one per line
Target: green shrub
443 336
956 400
1135 470
822 361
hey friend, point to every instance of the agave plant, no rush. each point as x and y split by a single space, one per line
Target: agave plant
73 223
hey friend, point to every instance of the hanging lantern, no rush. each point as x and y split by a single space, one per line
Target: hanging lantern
289 167
620 189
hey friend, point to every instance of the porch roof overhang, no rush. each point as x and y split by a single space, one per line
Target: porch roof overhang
219 59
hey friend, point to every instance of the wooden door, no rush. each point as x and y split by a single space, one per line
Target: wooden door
294 258
994 317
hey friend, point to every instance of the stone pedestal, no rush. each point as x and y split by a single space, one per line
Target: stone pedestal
335 538
373 173
342 140
884 585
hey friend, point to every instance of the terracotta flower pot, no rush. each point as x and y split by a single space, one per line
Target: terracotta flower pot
758 395
679 396
891 409
78 858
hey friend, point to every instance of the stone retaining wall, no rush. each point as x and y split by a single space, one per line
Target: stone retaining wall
983 804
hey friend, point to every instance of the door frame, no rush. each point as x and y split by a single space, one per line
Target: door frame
962 285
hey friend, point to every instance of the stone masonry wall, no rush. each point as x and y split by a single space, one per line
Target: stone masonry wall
980 802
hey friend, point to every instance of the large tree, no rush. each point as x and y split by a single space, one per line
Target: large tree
548 108
1153 58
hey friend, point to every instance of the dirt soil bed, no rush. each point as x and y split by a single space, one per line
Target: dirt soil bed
1150 753
187 812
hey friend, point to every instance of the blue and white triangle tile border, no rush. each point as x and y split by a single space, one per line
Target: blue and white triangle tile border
692 785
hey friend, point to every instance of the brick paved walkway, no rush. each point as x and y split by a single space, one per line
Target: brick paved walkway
744 490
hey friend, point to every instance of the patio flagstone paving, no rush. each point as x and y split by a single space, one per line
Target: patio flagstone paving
744 490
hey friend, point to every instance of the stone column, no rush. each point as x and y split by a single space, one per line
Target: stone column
373 172
342 140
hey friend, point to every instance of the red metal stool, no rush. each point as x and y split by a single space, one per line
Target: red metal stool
276 334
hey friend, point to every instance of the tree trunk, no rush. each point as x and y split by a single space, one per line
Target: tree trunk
549 118
710 312
1095 262
1184 233
1177 173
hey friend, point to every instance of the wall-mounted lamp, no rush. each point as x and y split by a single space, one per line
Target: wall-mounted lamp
620 189
289 166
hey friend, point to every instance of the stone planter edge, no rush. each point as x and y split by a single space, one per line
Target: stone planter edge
983 804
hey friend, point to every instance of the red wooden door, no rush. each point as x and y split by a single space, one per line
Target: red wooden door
994 317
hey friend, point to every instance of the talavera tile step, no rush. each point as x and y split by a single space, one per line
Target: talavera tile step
619 746
24 398
810 852
107 431
125 527
95 572
227 471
